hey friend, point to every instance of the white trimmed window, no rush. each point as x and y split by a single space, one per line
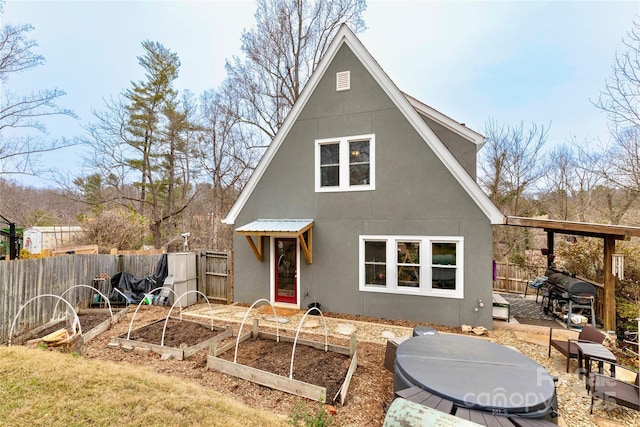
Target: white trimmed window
345 164
415 265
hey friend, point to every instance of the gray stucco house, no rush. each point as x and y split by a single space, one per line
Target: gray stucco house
366 202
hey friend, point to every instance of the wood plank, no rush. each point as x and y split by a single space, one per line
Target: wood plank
609 285
315 344
257 250
231 345
96 330
225 333
619 232
176 353
408 392
307 247
267 379
526 422
483 418
347 381
437 402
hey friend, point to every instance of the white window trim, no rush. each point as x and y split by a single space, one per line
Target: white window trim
425 266
344 164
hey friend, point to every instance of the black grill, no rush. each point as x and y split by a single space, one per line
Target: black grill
566 294
567 286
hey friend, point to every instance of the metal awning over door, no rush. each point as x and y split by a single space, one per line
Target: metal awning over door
301 229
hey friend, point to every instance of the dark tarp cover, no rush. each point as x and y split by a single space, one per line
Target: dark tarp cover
133 287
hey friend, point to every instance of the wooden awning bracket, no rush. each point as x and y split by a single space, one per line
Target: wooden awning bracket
283 228
257 250
307 246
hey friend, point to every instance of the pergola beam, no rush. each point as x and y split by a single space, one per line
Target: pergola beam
609 233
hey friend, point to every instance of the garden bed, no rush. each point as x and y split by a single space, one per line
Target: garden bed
95 321
317 374
183 338
92 322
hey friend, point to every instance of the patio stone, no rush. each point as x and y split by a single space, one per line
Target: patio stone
279 319
345 329
387 334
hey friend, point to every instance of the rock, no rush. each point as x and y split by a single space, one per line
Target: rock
311 324
113 345
345 329
166 356
479 330
142 351
278 319
387 334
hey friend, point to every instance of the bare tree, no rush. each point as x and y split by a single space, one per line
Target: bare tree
21 113
510 163
510 167
559 182
620 98
224 156
586 178
281 52
36 207
570 179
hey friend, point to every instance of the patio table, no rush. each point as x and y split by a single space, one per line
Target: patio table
475 374
587 350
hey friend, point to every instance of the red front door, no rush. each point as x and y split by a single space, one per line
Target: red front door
286 271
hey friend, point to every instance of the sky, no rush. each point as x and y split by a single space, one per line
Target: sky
509 61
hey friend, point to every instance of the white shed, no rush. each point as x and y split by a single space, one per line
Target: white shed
36 239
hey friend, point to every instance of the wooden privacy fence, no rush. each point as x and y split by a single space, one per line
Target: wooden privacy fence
216 276
24 279
512 278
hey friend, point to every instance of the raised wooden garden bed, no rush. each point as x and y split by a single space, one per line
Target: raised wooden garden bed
92 321
94 331
218 360
183 338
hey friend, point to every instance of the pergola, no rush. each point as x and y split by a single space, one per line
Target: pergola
610 233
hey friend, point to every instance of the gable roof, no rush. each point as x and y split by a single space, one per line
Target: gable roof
447 122
406 105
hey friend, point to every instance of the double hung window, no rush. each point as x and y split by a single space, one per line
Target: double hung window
345 164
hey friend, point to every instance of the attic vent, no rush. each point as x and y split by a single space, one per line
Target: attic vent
343 80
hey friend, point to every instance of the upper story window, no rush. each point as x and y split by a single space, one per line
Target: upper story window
345 164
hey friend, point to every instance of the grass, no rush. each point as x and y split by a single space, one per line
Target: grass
41 387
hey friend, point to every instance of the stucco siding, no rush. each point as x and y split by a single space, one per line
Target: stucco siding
462 149
415 194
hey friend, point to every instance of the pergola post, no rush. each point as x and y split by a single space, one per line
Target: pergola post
550 239
609 285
